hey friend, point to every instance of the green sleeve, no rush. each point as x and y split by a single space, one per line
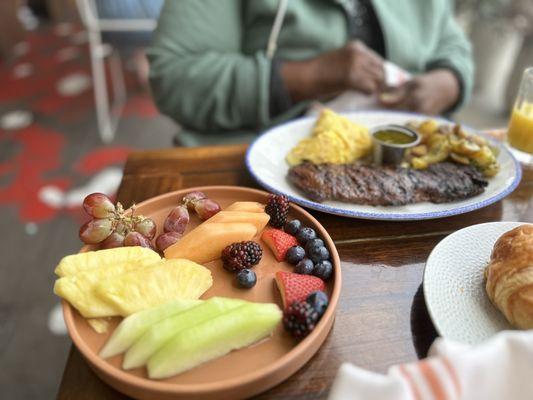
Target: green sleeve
454 51
198 74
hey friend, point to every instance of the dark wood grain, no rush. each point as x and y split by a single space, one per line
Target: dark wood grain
382 318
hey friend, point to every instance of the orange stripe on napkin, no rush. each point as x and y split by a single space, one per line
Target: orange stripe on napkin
432 380
453 375
410 381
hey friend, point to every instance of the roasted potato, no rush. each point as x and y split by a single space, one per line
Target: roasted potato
441 142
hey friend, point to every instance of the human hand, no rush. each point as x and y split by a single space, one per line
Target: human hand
361 67
352 67
431 93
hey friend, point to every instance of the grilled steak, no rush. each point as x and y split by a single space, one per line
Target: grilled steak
387 185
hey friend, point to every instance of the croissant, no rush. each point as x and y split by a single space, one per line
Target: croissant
510 276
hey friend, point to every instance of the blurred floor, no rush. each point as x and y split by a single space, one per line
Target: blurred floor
44 169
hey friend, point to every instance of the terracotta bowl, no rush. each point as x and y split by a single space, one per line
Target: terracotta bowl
241 373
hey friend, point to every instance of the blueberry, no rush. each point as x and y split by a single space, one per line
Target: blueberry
318 253
305 267
305 234
246 278
292 227
313 243
295 254
323 270
319 301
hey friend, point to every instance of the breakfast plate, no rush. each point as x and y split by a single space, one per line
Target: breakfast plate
454 284
241 373
266 162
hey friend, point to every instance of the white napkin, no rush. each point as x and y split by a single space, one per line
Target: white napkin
499 369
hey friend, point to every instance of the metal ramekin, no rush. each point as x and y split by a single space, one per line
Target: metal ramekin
388 153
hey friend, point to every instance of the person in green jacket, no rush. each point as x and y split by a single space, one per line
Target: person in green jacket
227 69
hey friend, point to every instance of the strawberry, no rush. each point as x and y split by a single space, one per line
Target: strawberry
279 242
296 287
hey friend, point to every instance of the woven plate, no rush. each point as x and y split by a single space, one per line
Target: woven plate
454 284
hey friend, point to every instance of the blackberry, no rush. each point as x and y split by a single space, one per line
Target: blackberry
278 209
319 301
300 318
241 255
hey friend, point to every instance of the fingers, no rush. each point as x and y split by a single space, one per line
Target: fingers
395 97
368 86
366 72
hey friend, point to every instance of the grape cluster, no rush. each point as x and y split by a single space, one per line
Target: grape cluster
177 220
110 228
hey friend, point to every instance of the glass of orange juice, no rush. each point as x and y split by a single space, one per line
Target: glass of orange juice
520 131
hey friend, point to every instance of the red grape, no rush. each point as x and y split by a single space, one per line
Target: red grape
166 239
96 230
146 227
98 205
136 239
191 198
113 240
177 220
206 208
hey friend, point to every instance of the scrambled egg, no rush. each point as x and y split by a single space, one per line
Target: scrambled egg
334 139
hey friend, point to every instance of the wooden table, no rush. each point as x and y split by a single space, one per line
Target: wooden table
381 319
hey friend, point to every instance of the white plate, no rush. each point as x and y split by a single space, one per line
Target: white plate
454 284
265 160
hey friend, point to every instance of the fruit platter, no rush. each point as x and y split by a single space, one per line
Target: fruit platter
212 292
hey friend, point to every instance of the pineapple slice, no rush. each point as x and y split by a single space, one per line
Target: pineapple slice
100 325
155 285
90 260
79 289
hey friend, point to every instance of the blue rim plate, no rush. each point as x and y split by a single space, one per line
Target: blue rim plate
265 160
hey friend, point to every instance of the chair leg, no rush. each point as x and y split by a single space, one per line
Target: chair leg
119 87
103 114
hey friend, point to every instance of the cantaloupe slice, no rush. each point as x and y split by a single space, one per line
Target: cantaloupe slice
155 285
206 242
89 260
246 206
259 219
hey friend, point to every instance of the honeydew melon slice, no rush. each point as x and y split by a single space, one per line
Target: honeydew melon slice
214 338
163 331
134 326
